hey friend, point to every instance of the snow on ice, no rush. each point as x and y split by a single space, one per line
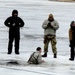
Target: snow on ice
34 12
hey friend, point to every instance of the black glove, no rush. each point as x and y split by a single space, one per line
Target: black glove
49 24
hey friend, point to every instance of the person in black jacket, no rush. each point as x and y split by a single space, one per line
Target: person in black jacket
14 23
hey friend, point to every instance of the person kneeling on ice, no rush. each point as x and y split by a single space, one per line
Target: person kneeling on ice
35 57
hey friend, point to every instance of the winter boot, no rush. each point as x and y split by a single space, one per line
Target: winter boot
44 55
9 53
71 59
55 55
17 53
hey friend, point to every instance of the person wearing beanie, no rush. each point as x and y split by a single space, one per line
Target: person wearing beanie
35 57
72 40
14 23
50 26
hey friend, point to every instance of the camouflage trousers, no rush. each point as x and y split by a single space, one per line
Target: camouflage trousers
52 39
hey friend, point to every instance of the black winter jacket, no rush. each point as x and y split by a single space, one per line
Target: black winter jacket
14 24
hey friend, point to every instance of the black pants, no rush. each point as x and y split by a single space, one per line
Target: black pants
16 40
72 52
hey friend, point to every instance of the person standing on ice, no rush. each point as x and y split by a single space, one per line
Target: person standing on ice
72 40
14 23
50 26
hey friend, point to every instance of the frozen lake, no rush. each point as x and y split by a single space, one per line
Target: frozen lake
34 12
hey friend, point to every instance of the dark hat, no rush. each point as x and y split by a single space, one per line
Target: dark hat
72 22
71 25
51 15
38 48
14 12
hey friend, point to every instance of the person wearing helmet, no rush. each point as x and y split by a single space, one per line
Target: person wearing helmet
14 23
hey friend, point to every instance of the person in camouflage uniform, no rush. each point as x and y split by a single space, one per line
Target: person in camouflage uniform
35 57
50 26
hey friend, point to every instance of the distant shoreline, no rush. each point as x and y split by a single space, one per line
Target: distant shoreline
64 0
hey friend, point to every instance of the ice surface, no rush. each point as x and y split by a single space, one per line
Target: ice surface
34 12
